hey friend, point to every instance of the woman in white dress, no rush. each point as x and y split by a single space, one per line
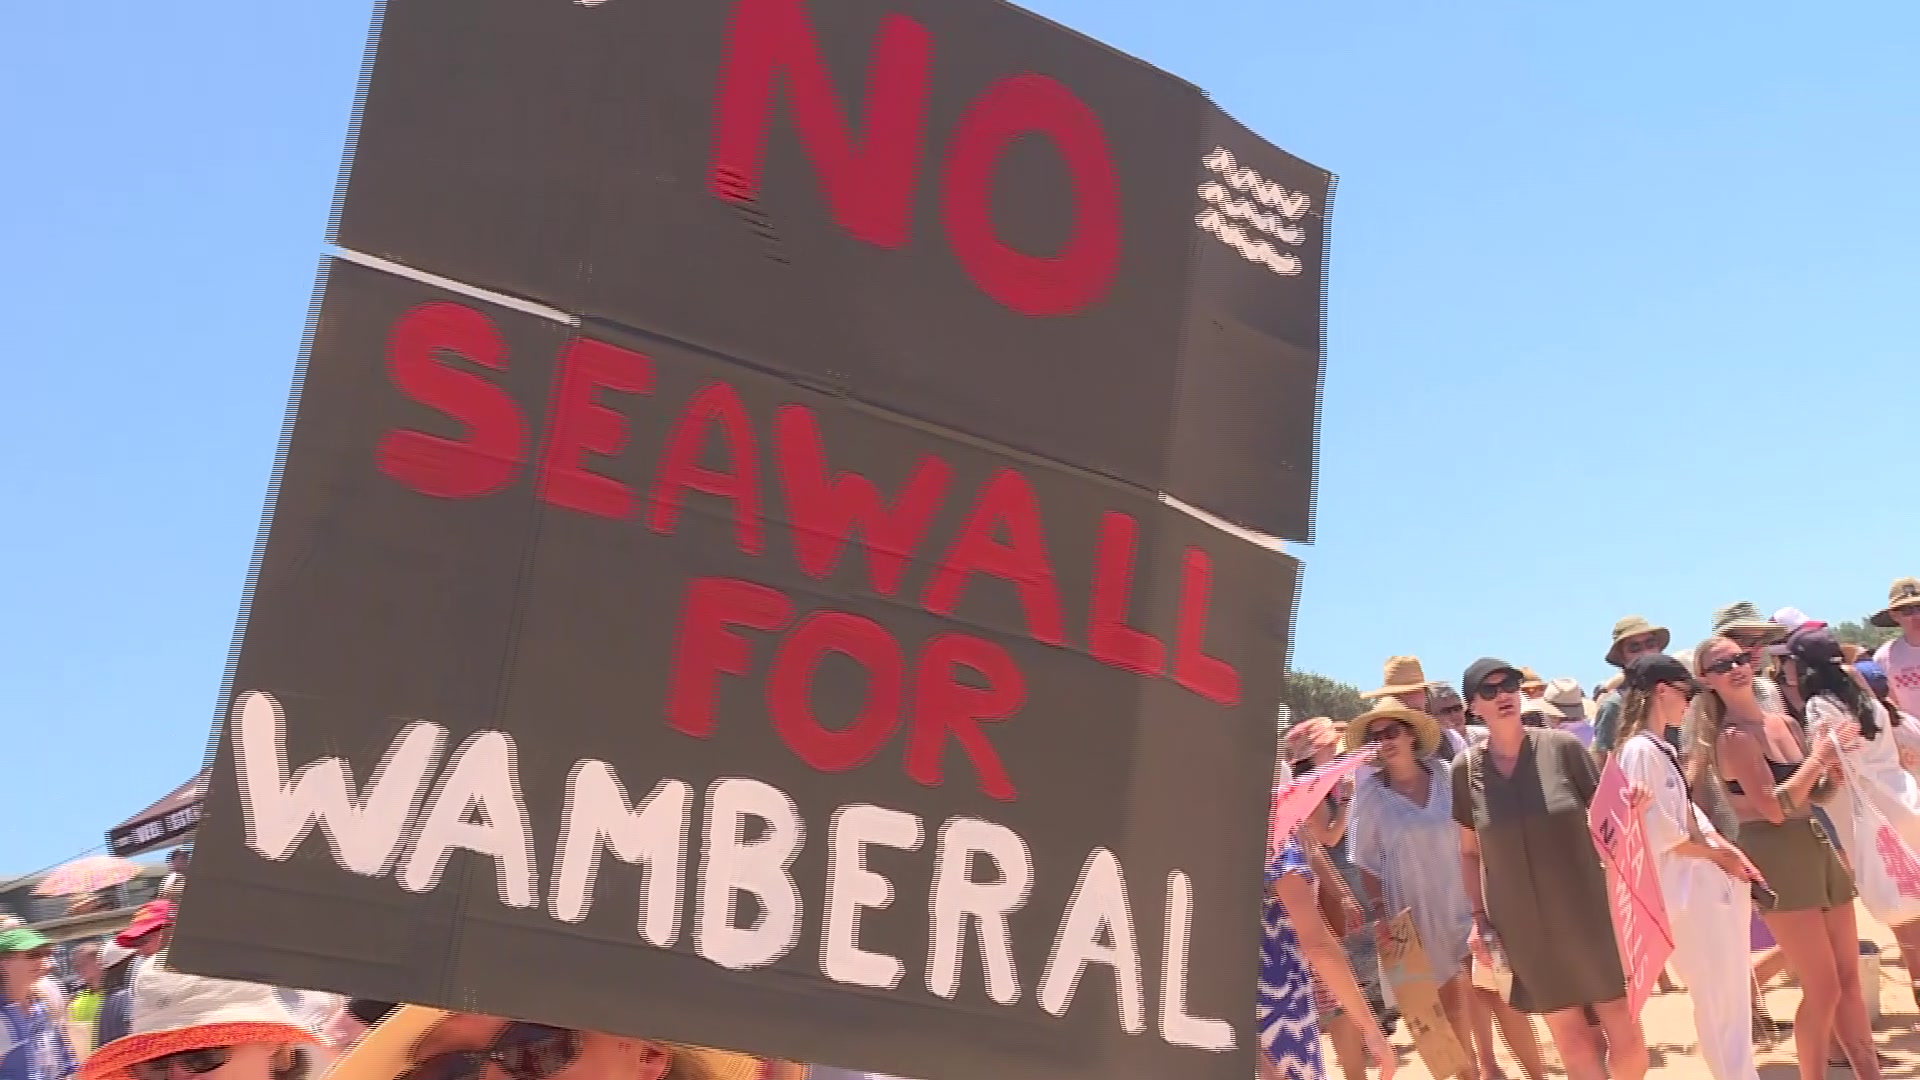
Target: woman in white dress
1402 838
1704 879
1842 706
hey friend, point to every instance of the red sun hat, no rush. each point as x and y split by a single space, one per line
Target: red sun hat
153 915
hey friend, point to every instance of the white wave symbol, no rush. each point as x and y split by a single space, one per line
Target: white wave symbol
1272 224
1251 249
1291 204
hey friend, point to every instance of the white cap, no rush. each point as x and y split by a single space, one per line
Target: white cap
1790 617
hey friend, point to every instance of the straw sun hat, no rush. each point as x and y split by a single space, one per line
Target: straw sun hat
1743 618
1904 593
1426 730
386 1051
1402 676
173 1013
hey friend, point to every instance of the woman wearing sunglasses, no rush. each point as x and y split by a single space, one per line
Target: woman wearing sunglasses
1403 840
1705 879
418 1043
1772 780
1538 892
187 1027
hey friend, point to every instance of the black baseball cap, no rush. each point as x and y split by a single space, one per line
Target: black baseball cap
1648 670
1814 644
1478 671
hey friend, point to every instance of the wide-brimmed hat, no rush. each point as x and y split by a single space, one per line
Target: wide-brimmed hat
1904 593
1426 730
1742 617
173 1013
1402 675
1565 695
1531 680
1634 626
384 1052
1304 738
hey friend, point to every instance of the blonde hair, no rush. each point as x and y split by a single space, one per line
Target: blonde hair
1700 731
1636 706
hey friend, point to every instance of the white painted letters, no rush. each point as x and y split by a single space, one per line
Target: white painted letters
478 808
652 835
366 831
956 895
1099 907
851 887
735 864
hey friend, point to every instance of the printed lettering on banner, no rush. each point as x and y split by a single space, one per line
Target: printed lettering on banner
1640 926
719 588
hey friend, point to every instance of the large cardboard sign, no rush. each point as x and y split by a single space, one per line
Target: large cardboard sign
1404 960
951 209
1640 925
597 679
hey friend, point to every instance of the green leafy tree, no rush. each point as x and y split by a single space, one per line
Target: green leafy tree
1864 634
1306 694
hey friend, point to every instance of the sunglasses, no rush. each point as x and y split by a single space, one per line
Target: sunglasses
1721 667
1491 689
209 1058
523 1051
1391 731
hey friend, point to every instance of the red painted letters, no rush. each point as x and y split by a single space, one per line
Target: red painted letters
826 511
789 685
716 406
1210 677
1002 535
1007 500
581 426
1033 284
869 183
1109 638
496 440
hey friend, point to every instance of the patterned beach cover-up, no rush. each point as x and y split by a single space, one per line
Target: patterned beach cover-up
1289 1026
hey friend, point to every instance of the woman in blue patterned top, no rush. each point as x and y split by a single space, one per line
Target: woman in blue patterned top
1296 945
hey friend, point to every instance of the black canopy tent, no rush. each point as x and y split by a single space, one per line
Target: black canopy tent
166 823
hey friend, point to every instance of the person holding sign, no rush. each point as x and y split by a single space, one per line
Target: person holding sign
1538 891
1704 879
1772 781
1402 838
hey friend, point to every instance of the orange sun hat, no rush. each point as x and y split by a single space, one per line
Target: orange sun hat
173 1013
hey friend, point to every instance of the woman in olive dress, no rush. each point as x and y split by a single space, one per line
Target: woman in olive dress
1538 891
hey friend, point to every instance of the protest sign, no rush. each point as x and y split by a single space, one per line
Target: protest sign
1404 960
1640 926
599 680
951 209
1294 799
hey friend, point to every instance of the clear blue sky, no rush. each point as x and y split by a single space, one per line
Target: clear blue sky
1619 295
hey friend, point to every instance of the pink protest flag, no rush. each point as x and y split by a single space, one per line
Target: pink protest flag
1296 798
1640 926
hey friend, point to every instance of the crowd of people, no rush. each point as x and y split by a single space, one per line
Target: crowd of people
1774 768
1776 771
